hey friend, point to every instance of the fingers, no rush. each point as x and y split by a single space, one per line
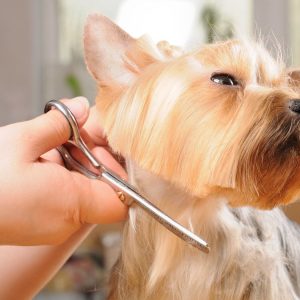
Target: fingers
98 202
52 129
52 156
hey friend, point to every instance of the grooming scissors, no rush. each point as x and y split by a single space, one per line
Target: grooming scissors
114 180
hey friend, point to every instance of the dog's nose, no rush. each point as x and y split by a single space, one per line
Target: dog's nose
294 105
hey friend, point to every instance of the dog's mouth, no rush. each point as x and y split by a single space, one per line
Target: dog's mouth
289 139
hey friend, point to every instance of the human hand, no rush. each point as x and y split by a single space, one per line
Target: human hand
41 201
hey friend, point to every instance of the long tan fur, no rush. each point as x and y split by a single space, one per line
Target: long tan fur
195 148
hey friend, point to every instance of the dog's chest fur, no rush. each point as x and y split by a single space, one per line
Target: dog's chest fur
254 254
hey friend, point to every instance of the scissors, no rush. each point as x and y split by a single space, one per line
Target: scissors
108 176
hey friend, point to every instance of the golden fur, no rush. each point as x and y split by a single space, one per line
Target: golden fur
192 147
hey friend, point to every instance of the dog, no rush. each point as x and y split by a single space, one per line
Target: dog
212 138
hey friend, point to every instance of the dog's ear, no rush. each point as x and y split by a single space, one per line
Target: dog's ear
294 77
113 57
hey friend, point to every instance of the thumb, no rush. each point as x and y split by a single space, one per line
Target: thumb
52 129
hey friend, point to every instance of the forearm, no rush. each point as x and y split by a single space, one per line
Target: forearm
25 270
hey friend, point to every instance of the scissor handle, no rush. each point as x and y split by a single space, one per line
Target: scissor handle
75 133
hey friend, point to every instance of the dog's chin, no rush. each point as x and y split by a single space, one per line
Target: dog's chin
268 196
267 175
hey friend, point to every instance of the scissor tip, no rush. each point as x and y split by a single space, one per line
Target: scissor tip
201 245
206 249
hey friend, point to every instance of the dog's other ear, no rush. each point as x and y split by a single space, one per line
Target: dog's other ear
294 77
113 57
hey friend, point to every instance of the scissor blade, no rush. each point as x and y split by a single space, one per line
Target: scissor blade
155 212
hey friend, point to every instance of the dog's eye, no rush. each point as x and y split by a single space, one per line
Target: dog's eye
223 78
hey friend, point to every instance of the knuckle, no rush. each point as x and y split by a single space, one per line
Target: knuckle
75 209
72 212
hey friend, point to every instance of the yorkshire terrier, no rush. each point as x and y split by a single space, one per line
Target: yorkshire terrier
212 138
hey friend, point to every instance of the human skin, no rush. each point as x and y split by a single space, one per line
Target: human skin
43 205
41 201
25 270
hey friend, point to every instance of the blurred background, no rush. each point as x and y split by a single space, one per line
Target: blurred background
41 59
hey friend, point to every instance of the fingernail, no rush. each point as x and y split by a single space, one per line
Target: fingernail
79 106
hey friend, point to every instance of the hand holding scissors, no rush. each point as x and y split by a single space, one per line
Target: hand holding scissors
41 201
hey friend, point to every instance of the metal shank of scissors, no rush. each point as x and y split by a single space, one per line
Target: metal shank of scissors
113 179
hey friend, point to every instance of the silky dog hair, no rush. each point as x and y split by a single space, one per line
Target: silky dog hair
205 151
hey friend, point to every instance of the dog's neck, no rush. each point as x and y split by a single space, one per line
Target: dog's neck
163 194
198 215
158 260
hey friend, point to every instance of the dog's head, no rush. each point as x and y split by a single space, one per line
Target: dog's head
221 120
